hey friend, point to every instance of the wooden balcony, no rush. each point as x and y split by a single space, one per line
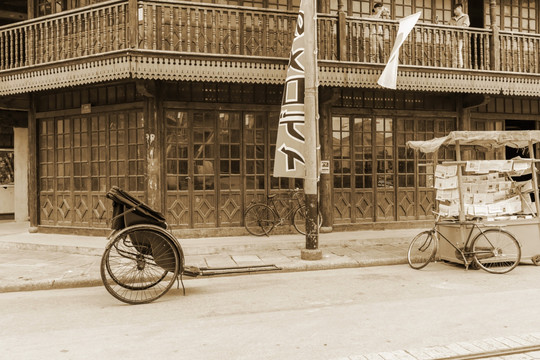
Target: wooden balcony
194 41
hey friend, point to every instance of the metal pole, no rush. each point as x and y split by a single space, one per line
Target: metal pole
311 252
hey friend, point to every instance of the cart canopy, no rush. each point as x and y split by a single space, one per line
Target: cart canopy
486 140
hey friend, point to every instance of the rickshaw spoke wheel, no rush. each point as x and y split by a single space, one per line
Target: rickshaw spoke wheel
140 265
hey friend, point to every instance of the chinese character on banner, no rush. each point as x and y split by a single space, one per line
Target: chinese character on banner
289 160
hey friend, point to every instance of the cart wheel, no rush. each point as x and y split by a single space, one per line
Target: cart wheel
140 264
536 260
496 251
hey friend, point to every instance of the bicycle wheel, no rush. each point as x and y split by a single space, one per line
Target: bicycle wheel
422 250
496 251
260 219
140 264
299 219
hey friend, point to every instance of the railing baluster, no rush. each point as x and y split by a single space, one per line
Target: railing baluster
196 30
3 51
171 33
29 45
207 44
162 32
53 40
154 27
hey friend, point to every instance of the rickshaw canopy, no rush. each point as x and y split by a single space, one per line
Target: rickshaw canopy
486 140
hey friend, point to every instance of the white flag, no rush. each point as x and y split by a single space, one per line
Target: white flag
388 77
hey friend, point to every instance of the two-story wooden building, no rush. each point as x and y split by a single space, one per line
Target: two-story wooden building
178 103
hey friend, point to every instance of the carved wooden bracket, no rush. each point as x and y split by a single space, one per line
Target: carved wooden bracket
328 95
475 100
146 88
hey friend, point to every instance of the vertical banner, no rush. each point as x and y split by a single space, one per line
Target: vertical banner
388 77
289 159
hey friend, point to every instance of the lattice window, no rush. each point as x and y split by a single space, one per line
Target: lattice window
443 11
46 155
518 15
341 137
136 155
406 167
63 155
80 155
177 149
426 7
401 9
252 3
203 150
230 137
255 154
118 150
98 151
384 151
363 161
427 129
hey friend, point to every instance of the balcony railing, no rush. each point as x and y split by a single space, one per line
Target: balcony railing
519 52
211 29
73 35
204 29
370 41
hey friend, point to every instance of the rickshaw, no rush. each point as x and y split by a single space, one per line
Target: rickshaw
143 258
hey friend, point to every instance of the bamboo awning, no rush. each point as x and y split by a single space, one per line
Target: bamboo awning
486 140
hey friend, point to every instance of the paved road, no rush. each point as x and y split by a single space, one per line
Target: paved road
331 314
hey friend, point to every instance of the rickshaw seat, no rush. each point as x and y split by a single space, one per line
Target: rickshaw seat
128 211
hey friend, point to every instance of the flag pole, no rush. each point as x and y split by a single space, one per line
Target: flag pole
312 251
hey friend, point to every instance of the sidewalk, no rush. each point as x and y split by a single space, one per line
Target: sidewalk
51 261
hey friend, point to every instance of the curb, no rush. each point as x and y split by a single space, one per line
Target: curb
192 248
50 285
293 266
80 250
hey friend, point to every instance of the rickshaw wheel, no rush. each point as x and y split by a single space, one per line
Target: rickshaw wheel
140 264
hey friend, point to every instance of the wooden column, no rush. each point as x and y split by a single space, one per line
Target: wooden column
154 140
327 97
31 10
342 32
495 41
133 25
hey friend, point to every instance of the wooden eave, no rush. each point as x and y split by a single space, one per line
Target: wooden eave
174 66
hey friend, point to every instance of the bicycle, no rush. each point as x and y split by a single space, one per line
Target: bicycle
492 249
261 218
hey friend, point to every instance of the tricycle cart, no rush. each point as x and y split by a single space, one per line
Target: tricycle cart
143 258
500 193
